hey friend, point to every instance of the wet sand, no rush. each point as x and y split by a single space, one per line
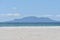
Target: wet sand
30 33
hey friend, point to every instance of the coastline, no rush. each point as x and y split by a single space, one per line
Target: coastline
29 26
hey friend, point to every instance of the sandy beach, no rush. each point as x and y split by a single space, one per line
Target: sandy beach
30 33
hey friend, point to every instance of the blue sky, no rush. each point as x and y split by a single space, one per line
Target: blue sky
12 9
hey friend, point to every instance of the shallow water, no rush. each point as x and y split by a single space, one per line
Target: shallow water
29 24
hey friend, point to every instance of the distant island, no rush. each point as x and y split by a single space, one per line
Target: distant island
32 19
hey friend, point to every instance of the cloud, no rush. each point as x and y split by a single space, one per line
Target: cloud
58 16
46 15
55 17
13 14
10 14
50 15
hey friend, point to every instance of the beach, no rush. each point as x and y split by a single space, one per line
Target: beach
30 33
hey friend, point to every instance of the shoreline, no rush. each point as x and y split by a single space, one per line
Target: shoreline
30 27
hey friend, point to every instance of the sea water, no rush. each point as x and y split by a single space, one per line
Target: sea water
29 24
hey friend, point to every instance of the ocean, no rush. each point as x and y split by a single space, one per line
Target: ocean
29 24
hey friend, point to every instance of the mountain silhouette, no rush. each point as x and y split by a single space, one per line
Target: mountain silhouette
32 19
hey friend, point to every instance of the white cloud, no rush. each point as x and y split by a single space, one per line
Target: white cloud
57 15
50 15
13 15
46 15
54 17
10 14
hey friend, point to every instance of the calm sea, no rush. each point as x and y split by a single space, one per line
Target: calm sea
29 24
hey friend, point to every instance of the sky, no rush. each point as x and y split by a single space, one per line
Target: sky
14 9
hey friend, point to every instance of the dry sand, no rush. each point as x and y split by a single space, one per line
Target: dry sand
30 33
